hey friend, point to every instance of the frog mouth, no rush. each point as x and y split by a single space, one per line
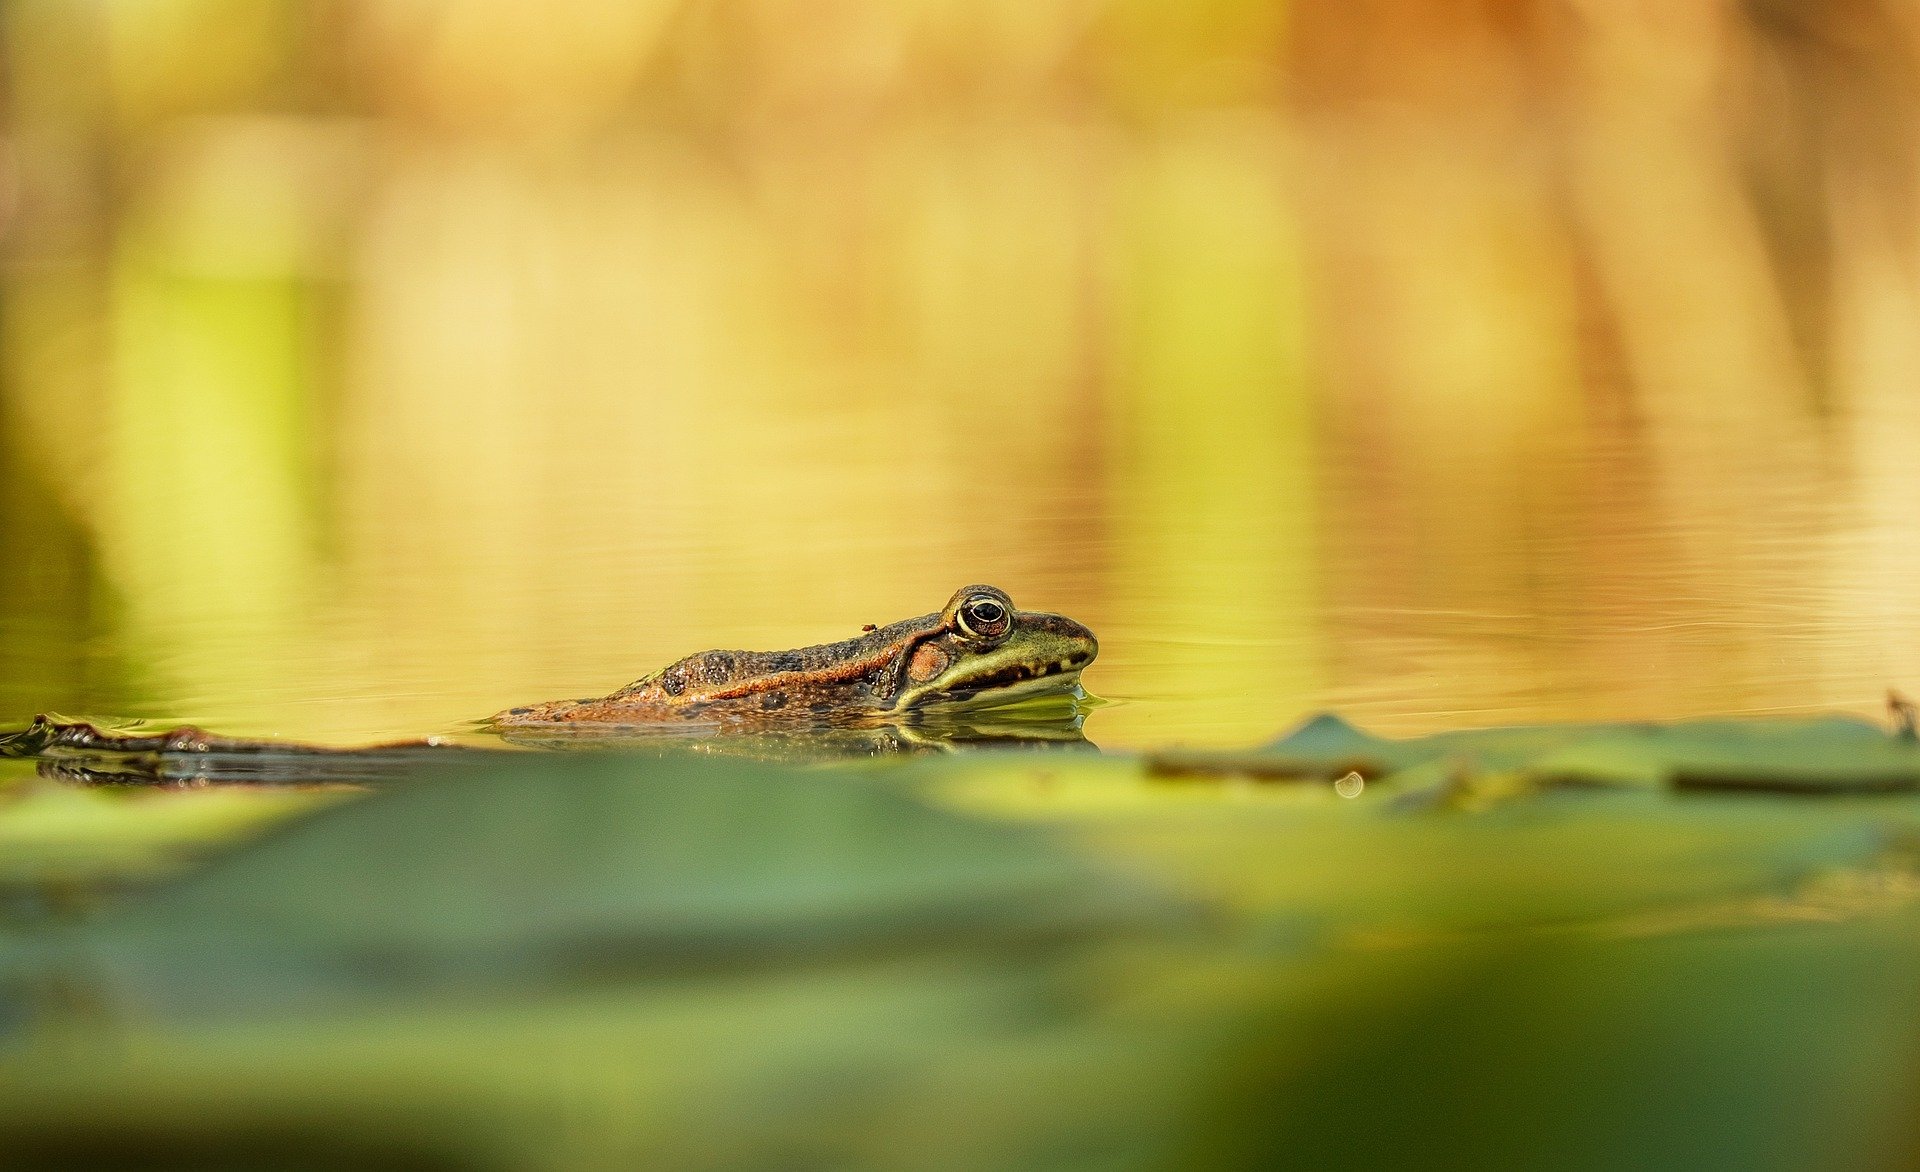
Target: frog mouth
1014 682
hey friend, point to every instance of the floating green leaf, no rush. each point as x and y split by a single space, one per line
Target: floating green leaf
1819 755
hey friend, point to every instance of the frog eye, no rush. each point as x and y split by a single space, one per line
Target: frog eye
984 617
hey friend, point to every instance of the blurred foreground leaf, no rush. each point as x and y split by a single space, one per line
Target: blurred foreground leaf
526 870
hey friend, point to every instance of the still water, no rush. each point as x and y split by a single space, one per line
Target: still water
1225 612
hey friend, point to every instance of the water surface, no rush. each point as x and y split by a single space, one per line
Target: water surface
1443 371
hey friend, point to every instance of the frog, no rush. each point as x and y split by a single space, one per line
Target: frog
979 651
978 671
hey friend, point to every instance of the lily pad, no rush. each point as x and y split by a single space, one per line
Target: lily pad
1824 755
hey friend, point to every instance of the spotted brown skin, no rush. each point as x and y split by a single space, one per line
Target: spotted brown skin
978 650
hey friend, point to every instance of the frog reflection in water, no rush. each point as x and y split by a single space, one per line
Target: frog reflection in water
937 681
978 652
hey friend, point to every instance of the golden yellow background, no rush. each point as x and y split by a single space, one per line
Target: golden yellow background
368 366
